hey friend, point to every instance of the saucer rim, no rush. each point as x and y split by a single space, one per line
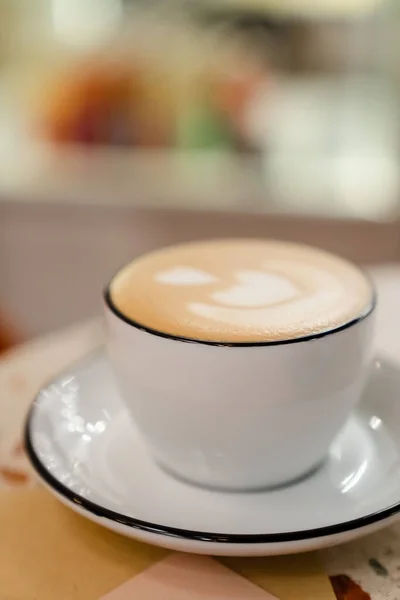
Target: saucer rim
176 532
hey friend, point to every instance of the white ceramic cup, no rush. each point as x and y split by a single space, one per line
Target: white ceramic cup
242 416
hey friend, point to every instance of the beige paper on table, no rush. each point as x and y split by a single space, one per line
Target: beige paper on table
49 553
188 577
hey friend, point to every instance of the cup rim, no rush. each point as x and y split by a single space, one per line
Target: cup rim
189 340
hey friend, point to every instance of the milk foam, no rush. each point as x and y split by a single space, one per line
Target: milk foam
241 291
184 276
256 289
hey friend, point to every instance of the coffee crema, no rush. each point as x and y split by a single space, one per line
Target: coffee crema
241 291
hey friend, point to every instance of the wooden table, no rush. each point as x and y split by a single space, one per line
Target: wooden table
372 563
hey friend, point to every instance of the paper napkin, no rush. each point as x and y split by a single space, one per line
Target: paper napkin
188 577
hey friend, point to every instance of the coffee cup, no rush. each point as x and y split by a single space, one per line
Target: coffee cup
240 360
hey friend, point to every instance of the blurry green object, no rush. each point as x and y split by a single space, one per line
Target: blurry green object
202 128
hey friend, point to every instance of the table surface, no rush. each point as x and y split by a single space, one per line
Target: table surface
373 563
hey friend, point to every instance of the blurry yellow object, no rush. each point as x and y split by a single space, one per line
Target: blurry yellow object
85 23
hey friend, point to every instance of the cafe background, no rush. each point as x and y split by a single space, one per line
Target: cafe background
128 125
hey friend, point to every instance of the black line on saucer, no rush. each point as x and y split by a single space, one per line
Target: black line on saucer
187 534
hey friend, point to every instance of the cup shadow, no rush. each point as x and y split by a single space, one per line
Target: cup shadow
248 490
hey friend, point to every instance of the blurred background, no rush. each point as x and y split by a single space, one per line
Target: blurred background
131 124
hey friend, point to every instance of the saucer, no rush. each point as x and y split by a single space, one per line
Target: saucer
85 448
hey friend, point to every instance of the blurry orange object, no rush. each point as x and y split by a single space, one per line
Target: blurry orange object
95 106
233 93
8 336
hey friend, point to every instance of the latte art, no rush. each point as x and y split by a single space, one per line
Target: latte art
241 291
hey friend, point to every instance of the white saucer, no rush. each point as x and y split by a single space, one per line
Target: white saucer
85 448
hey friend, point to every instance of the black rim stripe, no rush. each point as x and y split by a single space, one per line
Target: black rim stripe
195 536
315 336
